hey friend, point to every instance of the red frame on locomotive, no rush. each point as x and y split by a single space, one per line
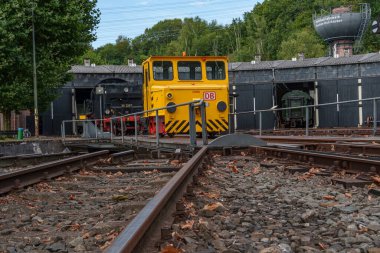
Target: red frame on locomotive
128 124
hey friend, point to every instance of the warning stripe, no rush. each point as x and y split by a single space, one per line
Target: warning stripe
226 122
180 125
215 125
209 127
168 123
221 124
172 126
184 128
198 123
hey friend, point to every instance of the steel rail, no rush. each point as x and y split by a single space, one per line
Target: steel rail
351 148
132 238
21 160
35 174
313 139
348 162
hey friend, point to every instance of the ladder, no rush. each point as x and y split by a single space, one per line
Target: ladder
365 11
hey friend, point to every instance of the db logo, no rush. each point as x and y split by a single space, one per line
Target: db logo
210 95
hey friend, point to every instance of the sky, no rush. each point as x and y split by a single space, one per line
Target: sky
131 17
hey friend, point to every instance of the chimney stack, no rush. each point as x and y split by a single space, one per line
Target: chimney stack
131 63
87 62
258 58
301 56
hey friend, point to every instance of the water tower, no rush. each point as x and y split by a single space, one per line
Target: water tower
343 29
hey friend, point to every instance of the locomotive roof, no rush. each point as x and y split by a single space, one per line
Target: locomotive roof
185 57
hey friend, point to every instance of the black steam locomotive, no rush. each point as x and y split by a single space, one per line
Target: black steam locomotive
113 98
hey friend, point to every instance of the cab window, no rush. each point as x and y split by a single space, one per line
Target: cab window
163 70
215 70
189 70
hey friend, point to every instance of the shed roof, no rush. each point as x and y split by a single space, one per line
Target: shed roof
241 66
308 62
105 69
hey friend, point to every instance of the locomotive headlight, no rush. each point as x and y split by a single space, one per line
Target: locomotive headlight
222 106
107 111
172 109
126 90
169 96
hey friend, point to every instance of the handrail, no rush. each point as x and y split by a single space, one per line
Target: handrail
192 130
195 103
308 106
316 106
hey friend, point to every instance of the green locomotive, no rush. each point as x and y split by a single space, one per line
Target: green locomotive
292 118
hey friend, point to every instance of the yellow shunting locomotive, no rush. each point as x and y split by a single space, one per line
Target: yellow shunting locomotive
179 79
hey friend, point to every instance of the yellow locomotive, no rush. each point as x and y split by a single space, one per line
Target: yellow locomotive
179 79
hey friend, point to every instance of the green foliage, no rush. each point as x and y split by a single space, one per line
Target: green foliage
274 29
63 32
303 41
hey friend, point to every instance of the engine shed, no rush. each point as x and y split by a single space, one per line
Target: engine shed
258 85
77 96
262 85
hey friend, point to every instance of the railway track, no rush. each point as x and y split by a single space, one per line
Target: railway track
318 158
150 228
317 139
77 204
247 203
346 131
96 203
20 161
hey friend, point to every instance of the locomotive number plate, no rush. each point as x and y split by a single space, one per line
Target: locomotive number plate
209 95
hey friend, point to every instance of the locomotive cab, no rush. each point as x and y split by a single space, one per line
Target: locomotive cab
175 80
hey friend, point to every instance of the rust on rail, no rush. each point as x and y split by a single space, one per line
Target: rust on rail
35 174
131 237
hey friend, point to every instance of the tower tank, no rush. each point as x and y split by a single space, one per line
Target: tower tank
343 28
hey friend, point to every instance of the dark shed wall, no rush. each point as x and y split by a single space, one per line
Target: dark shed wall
328 115
261 94
244 103
264 100
92 79
371 88
251 77
61 110
327 72
348 113
370 69
295 74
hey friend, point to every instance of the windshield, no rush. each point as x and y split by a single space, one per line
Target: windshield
189 70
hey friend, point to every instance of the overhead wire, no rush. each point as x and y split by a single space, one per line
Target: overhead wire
223 10
110 25
167 5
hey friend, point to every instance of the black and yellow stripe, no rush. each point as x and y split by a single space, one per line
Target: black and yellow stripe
183 126
185 129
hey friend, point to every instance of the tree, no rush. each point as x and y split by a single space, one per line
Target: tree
273 29
93 56
63 32
303 41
